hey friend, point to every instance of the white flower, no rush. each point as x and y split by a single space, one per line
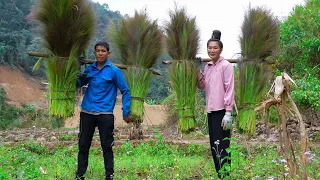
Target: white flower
256 177
271 178
312 156
217 142
286 174
43 170
283 160
274 161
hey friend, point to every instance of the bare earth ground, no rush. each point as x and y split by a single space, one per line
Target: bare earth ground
21 89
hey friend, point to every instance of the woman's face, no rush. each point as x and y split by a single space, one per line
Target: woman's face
214 50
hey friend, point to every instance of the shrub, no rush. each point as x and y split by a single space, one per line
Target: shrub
8 114
300 51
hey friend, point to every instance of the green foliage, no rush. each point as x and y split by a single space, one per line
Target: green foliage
259 41
150 160
182 35
151 102
57 122
253 82
26 116
182 45
260 34
9 115
172 115
159 85
39 118
67 137
67 27
15 34
183 77
201 112
139 41
300 52
308 91
62 75
36 148
299 43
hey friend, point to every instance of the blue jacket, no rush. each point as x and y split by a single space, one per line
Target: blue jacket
101 94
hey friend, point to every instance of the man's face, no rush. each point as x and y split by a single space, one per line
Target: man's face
101 54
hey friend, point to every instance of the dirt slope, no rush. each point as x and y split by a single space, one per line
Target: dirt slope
21 89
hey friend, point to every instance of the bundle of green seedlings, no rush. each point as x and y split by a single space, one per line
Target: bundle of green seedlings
139 41
67 27
182 44
259 42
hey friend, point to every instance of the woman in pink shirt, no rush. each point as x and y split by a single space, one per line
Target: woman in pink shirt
218 82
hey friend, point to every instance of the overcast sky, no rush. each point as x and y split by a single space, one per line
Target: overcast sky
224 15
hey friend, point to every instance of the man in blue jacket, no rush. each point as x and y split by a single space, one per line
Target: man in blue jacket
103 79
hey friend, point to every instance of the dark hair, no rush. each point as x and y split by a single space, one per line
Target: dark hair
216 35
102 43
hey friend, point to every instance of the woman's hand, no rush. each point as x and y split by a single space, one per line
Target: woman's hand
226 123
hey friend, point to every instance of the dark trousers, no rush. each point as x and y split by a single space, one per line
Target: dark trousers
105 123
216 133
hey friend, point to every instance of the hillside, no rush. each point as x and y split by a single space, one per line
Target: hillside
22 89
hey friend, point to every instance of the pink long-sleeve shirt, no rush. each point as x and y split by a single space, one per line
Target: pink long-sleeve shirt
218 82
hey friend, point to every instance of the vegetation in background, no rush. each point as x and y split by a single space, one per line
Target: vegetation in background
300 52
15 34
26 116
259 42
182 43
9 115
139 41
67 27
172 117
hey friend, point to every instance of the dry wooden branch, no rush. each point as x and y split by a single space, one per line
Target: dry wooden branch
267 103
86 61
303 138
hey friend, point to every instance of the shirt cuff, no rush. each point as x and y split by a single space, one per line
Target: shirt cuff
126 114
229 108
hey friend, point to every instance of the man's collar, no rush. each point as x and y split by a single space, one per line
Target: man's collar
107 63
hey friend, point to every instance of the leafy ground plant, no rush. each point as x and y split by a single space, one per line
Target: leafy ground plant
149 160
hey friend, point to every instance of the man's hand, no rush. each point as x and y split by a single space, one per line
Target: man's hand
127 119
226 123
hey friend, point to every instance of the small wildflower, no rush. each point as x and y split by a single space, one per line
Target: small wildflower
43 170
286 174
273 161
311 157
271 178
217 142
283 160
307 153
256 177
